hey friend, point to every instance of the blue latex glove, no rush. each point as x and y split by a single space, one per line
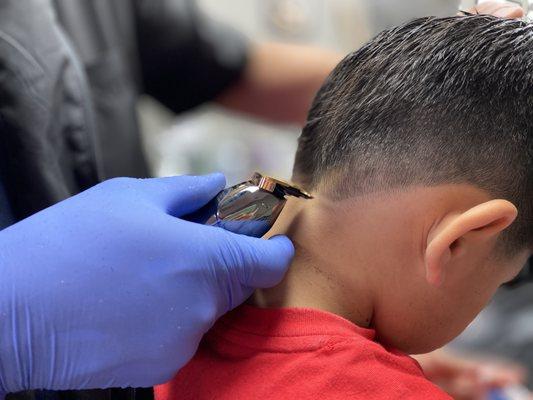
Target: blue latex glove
110 289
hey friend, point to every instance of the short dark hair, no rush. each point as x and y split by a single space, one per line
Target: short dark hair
437 100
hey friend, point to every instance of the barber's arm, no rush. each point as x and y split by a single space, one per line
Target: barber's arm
110 288
188 59
280 81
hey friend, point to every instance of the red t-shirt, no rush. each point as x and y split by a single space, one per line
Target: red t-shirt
295 353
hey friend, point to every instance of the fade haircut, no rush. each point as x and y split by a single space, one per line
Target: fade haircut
434 101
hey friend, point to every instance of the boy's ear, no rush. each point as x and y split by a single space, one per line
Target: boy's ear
452 237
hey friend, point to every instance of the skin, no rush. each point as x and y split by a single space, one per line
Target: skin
416 265
280 82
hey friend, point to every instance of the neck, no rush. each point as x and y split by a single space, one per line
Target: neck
322 275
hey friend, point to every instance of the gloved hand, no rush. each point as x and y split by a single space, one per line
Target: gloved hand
110 289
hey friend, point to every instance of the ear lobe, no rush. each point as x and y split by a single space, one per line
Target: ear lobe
456 233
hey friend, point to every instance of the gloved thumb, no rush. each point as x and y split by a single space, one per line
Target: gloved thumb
181 195
261 263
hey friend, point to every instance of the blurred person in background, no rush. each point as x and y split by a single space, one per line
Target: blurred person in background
71 73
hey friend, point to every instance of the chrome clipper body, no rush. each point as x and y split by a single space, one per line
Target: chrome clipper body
249 208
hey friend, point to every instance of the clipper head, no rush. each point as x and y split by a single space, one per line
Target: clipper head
278 187
249 208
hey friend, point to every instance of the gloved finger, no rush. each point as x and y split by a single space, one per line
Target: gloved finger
259 263
180 195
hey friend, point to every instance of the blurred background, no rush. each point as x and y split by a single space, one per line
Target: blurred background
213 139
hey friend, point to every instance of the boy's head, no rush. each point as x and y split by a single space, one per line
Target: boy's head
418 147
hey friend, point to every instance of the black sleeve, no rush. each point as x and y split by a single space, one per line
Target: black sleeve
186 58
